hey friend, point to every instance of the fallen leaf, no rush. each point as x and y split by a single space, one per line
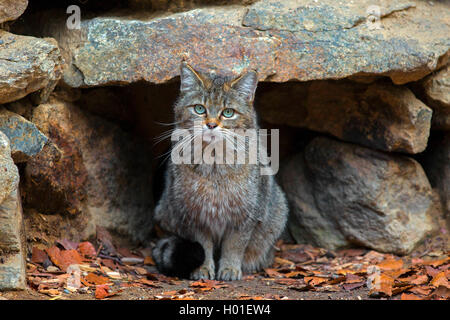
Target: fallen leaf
416 279
149 261
436 263
38 256
96 279
50 292
440 280
283 262
390 264
63 258
423 290
149 283
352 278
87 249
67 244
432 272
273 273
442 292
406 296
101 291
381 285
314 281
352 286
109 263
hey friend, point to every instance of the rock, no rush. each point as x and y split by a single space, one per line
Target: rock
9 176
437 95
104 172
284 40
12 9
342 194
12 263
437 166
378 115
25 139
27 64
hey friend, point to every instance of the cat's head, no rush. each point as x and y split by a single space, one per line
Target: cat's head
217 103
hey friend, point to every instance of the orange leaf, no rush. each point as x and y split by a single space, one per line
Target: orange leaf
406 296
96 279
423 290
382 285
390 264
440 280
101 291
273 273
313 281
87 249
149 261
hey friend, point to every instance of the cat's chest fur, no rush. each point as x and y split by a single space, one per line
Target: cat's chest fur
218 200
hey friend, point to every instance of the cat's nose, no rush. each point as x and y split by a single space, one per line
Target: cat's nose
211 125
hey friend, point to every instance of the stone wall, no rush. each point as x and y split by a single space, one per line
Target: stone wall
361 106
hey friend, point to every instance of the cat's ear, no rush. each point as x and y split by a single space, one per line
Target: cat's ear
190 79
246 84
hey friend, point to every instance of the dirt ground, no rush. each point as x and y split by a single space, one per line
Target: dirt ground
299 272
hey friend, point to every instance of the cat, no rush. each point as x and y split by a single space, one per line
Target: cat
231 211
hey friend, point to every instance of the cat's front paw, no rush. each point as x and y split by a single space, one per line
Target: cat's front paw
203 272
229 273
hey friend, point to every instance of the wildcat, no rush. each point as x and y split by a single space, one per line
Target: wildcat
231 211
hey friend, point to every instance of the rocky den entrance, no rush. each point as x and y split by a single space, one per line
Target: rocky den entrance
362 105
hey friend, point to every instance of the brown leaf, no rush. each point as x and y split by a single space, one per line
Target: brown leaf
422 290
314 281
283 262
87 249
406 296
67 244
296 256
109 263
96 279
101 291
272 273
442 292
440 280
50 292
207 285
436 263
352 286
415 279
149 261
352 278
38 256
63 258
432 272
381 285
390 264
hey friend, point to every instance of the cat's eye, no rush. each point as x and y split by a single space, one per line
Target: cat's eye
228 113
199 109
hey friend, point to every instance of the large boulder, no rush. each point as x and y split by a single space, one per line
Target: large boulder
284 40
436 89
103 172
379 115
26 140
12 258
12 9
27 65
342 194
